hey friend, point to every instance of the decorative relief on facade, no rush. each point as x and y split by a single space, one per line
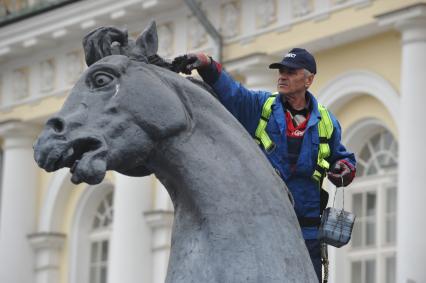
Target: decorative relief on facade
302 7
74 66
165 40
47 75
337 2
20 83
230 21
197 33
266 12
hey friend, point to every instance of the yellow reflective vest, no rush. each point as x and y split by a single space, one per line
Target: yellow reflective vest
325 130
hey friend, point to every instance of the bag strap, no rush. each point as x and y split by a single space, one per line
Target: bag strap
335 193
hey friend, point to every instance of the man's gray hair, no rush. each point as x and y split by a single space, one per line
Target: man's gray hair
307 73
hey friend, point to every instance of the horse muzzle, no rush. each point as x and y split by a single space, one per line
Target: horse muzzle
86 155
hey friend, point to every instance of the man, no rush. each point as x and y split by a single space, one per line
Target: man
301 139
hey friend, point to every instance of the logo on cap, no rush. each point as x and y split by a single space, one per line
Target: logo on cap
291 55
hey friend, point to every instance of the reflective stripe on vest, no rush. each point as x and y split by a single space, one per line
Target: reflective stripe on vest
325 130
260 136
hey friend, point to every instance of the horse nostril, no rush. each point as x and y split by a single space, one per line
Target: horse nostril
57 124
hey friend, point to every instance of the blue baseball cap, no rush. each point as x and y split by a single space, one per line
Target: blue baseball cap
297 58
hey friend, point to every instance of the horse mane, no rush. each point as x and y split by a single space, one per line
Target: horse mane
163 63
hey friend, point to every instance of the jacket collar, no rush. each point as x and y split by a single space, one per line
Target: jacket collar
279 105
278 113
315 114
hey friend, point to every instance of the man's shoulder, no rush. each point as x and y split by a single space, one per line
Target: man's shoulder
333 118
264 96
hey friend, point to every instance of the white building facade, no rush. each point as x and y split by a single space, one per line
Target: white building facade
371 57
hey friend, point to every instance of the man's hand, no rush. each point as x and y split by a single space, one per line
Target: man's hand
341 173
188 62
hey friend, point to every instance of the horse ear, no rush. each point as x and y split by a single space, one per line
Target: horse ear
148 40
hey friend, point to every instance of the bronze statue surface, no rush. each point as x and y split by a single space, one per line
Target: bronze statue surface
128 112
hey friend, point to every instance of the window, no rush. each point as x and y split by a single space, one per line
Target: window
99 247
390 216
390 267
99 261
364 206
371 255
378 156
363 271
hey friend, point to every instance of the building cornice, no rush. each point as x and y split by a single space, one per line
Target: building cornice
72 21
412 12
159 218
43 240
411 21
18 129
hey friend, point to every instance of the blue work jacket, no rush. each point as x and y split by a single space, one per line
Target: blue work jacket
246 106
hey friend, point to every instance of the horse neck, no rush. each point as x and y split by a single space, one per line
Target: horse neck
215 159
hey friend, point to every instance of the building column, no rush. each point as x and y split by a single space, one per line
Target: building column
255 71
130 258
19 183
160 220
412 193
411 243
47 247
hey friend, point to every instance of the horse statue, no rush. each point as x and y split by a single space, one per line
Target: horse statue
130 113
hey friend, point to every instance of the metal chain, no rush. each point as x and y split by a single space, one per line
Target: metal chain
324 260
324 253
325 271
335 193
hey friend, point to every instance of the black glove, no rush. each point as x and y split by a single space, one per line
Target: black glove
188 62
341 173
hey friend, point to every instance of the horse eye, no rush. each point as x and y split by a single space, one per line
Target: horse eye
102 79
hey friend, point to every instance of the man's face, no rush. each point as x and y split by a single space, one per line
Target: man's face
292 82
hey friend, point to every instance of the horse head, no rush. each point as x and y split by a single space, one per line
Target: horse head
116 112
